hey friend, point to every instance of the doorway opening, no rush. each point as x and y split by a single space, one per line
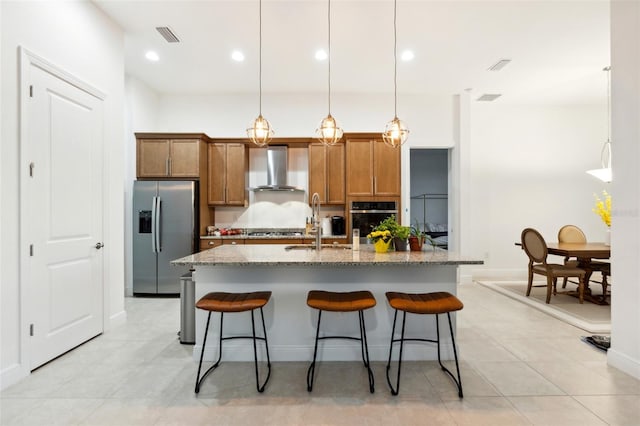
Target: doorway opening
429 191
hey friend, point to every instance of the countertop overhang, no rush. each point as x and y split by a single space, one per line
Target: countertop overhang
278 255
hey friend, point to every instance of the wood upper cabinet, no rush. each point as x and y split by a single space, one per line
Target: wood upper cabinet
228 171
169 158
327 172
373 168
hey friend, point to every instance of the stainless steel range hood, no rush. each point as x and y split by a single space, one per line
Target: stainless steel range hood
277 171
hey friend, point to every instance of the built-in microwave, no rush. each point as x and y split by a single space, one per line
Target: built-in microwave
365 215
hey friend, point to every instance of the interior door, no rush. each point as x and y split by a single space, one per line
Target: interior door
64 215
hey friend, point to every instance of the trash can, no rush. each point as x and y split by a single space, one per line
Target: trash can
187 309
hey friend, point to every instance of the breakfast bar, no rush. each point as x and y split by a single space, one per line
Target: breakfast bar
291 271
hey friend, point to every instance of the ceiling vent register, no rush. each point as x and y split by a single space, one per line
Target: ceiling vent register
168 34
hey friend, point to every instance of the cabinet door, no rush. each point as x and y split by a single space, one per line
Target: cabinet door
216 153
335 174
317 171
185 158
386 165
237 166
359 167
153 158
206 243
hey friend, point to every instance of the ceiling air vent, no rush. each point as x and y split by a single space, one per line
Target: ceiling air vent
487 97
499 65
168 34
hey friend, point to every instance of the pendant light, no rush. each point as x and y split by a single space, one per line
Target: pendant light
604 174
329 133
261 132
395 132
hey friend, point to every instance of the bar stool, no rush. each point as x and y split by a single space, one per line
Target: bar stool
423 304
341 302
234 302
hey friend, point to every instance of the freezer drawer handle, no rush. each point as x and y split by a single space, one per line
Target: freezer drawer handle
99 246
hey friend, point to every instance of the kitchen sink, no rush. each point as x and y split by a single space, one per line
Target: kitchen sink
322 247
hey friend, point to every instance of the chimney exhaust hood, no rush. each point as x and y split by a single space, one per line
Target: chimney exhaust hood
277 171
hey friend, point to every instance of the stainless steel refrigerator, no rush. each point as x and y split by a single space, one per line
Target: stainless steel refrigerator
165 228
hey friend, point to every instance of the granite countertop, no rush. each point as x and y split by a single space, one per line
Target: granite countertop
278 255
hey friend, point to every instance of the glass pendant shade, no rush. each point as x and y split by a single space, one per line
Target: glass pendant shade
328 132
395 133
261 132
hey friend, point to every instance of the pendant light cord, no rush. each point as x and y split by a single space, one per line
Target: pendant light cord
608 70
329 53
395 61
260 60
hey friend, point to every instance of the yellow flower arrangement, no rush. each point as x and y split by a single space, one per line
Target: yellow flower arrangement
380 235
603 208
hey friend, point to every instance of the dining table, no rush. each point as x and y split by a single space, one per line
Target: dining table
585 253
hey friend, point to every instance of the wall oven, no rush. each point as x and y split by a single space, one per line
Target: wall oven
367 214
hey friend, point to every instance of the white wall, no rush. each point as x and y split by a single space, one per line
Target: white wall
141 115
528 168
52 30
625 228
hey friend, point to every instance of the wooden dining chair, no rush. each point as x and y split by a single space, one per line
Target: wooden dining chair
573 234
536 249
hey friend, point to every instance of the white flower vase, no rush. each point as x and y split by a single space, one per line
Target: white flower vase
607 237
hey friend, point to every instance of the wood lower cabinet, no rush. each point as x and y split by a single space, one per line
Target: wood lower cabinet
170 156
206 244
327 172
373 168
228 170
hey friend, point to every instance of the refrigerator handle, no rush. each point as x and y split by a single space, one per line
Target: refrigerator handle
158 230
153 225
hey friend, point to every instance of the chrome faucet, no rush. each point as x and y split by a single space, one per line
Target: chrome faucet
315 212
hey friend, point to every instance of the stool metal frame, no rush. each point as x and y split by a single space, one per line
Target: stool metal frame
260 388
363 347
458 381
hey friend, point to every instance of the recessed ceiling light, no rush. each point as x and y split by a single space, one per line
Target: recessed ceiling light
321 55
407 55
237 56
152 56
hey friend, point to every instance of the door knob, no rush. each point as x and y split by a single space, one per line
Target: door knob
99 246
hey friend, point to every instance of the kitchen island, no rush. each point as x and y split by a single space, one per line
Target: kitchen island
291 271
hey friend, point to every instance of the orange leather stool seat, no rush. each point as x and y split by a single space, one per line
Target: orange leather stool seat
233 302
424 303
340 302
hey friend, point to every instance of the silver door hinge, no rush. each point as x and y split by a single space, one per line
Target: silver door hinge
31 167
31 91
30 249
30 329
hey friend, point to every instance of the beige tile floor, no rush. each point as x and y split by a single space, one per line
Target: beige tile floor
519 366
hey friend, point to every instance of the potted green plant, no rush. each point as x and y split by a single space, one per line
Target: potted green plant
416 239
400 237
398 232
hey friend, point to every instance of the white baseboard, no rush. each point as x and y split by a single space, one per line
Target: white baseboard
499 274
117 319
12 375
623 362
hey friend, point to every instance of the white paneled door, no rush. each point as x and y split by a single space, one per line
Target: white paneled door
64 214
